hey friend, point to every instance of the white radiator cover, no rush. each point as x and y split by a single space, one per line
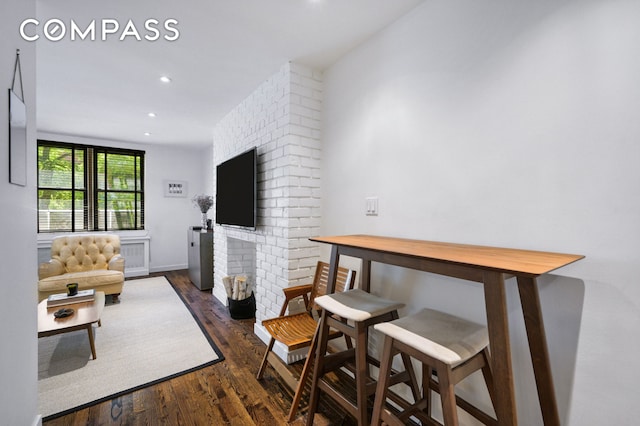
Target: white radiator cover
136 255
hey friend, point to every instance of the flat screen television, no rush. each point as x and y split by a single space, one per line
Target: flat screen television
236 190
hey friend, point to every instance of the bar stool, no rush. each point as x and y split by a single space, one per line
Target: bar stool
353 312
451 346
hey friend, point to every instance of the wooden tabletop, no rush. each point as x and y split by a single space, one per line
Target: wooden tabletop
85 313
506 260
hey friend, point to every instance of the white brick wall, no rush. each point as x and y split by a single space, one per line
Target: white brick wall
282 118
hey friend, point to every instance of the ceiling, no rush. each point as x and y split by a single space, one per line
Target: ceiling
225 49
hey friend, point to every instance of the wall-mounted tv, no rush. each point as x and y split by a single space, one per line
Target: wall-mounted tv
236 190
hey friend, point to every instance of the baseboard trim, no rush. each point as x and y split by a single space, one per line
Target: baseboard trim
165 268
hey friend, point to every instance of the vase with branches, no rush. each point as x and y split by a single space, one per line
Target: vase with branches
204 203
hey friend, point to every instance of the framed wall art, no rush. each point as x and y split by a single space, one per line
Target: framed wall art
175 188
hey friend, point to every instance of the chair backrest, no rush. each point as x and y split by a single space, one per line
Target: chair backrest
85 252
344 281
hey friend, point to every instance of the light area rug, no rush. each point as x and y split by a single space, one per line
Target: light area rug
148 337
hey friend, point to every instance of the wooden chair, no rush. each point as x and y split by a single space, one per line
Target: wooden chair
297 331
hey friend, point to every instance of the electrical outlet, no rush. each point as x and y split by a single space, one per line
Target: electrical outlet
371 208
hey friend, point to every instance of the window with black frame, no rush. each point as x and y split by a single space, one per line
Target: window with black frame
89 188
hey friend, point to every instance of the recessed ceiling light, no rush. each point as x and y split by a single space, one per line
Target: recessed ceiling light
165 79
147 134
152 114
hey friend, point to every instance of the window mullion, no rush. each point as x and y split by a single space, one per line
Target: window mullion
106 190
90 186
73 190
135 191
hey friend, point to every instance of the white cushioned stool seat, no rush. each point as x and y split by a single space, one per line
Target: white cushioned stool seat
357 305
451 347
352 313
448 338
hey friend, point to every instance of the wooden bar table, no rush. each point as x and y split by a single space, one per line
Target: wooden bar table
490 266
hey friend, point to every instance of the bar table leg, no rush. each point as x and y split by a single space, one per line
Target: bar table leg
498 325
532 312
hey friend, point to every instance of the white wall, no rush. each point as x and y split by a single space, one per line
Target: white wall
208 171
19 346
167 219
505 124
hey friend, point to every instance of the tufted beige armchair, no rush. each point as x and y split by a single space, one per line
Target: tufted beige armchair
91 260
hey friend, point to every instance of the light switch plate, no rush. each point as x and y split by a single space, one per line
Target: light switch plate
371 208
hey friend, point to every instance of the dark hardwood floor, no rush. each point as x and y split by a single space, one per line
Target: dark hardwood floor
225 393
